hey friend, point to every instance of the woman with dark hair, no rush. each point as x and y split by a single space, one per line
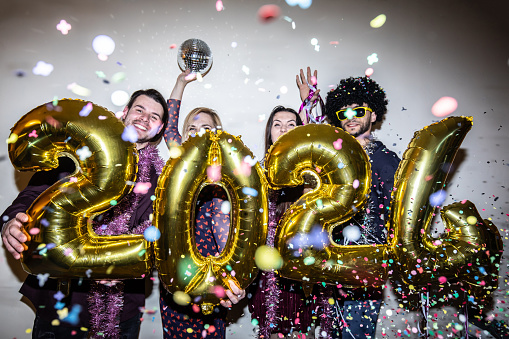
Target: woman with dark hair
278 304
211 227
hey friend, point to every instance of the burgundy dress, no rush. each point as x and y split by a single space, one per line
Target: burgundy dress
279 304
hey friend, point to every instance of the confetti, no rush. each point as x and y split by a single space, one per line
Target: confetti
104 46
33 134
355 183
372 59
268 258
152 234
85 111
369 71
214 173
142 187
250 191
338 144
444 106
79 90
42 68
304 4
226 207
379 21
64 27
351 233
83 153
219 5
130 134
437 198
119 98
268 13
34 231
42 278
181 298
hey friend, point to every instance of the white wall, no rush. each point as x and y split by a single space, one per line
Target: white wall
426 50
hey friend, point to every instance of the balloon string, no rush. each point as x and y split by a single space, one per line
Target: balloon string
308 105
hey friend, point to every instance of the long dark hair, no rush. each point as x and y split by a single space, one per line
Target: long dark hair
283 201
268 137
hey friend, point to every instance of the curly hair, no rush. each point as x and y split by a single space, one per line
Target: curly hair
358 91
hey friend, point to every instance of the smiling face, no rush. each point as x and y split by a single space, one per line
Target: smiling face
145 115
283 122
197 122
360 128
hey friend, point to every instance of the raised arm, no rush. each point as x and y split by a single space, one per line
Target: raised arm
172 136
303 83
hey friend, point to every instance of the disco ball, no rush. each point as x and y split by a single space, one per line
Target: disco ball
195 54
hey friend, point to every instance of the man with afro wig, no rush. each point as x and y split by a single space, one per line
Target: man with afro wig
355 105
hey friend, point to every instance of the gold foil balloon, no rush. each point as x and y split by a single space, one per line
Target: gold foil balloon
469 251
66 246
195 54
343 174
181 267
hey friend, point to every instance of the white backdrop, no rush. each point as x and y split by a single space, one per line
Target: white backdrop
426 50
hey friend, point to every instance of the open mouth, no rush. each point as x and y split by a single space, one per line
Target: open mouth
138 126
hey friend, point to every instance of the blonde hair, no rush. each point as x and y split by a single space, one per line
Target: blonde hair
190 116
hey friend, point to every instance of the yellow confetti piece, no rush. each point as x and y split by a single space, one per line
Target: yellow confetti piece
110 269
55 322
331 301
12 138
379 21
28 330
189 330
471 220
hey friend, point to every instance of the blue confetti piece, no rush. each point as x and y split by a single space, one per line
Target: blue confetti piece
437 198
85 111
152 234
250 191
59 305
73 317
130 134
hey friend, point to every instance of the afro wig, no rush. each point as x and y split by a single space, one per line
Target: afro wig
356 91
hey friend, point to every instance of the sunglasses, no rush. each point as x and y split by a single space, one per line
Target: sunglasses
350 113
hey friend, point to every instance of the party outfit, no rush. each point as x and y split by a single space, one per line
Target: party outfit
211 234
113 312
280 305
356 311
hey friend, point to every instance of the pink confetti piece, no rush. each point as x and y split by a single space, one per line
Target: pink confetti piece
64 27
67 251
33 134
142 187
219 5
355 183
214 173
444 106
338 144
34 231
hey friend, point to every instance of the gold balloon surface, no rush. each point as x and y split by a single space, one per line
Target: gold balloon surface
343 174
468 251
181 267
66 245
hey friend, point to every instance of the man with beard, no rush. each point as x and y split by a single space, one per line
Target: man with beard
356 105
108 309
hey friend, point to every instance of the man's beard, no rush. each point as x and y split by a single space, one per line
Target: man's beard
363 128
